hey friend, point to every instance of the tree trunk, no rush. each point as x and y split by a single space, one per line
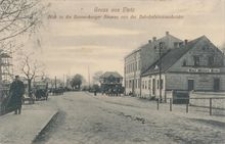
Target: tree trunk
29 87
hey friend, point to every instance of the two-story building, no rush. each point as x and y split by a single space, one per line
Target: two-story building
139 60
132 72
111 81
196 65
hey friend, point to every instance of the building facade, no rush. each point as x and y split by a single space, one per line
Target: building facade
197 65
138 61
111 81
132 73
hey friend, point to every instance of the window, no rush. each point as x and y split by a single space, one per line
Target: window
210 61
196 60
136 83
157 84
139 63
176 44
149 84
139 83
184 63
161 83
136 67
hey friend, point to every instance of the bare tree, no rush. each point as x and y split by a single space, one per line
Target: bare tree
19 16
31 68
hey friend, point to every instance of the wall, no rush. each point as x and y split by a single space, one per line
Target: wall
145 89
202 82
148 90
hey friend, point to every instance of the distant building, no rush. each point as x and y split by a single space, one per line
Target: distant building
142 58
110 81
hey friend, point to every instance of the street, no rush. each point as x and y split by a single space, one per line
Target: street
87 119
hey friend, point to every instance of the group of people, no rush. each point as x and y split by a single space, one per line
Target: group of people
16 92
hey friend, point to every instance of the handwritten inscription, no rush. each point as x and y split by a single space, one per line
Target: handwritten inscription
124 10
104 13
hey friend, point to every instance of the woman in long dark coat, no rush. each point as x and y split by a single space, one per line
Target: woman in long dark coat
16 95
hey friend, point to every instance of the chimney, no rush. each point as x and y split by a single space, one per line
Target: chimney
154 39
149 41
185 42
167 33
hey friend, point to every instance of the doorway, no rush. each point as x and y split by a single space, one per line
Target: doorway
191 85
216 84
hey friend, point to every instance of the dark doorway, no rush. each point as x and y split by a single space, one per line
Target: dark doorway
190 85
216 85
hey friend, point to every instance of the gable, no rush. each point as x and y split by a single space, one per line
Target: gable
174 59
202 55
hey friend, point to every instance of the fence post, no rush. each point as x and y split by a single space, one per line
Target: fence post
158 104
210 106
170 104
187 107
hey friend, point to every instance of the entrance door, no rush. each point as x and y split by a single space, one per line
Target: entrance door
216 85
190 85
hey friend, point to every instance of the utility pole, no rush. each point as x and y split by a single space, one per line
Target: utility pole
89 78
55 83
160 71
135 69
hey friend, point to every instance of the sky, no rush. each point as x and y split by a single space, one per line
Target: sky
69 45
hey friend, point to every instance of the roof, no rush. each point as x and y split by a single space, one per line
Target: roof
134 51
166 39
114 74
172 56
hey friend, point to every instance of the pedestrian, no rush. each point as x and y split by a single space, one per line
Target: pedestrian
95 92
16 92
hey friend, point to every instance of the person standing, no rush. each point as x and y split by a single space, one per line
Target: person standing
16 92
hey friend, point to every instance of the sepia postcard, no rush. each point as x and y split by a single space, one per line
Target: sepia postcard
112 72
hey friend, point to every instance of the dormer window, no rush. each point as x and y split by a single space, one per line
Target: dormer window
161 45
176 45
210 61
156 67
196 60
184 63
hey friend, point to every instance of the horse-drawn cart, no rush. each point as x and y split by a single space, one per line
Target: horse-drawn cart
41 91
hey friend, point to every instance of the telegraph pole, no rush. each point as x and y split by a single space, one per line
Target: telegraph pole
135 69
89 78
55 83
160 71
